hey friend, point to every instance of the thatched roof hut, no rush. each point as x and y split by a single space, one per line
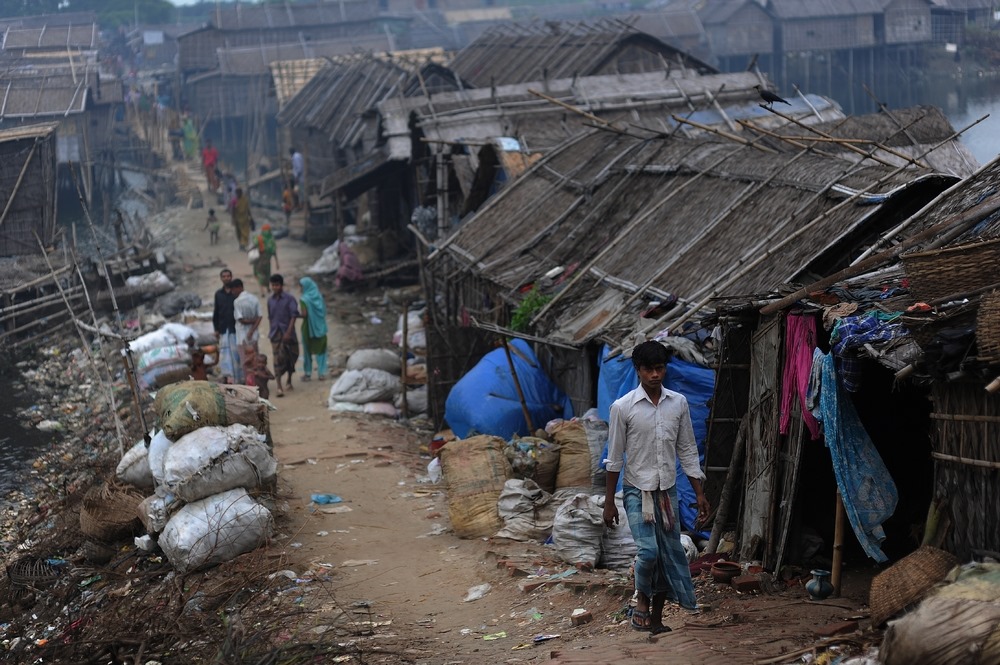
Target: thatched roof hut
517 53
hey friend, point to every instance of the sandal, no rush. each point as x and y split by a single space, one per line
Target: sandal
658 630
306 377
638 618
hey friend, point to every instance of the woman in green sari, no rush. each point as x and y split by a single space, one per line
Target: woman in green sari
313 311
191 142
266 248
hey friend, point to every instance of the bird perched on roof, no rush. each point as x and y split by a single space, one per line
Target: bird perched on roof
769 97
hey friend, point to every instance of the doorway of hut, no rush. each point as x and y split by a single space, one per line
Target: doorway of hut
896 416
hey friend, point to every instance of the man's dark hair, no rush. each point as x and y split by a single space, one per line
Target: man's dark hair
650 354
291 151
224 271
236 283
276 278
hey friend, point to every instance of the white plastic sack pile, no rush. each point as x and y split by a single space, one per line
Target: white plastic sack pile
328 262
527 511
134 467
577 529
416 336
617 547
158 446
210 460
164 355
155 510
168 334
363 386
416 401
154 283
216 529
383 359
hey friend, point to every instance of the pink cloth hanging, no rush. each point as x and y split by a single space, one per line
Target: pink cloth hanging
800 340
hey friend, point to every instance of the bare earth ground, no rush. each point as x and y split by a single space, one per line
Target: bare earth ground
391 562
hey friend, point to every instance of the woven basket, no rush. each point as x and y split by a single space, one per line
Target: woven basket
32 572
988 328
940 273
109 512
907 581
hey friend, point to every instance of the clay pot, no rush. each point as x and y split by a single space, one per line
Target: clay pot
724 571
819 586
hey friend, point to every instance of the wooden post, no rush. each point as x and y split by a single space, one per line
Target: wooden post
517 386
838 546
404 410
726 498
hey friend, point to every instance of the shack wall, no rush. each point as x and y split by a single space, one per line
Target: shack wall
32 209
835 32
907 22
749 31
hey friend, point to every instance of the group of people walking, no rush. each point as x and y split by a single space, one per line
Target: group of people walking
238 319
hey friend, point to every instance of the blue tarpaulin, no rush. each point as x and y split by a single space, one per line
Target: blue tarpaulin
617 377
485 400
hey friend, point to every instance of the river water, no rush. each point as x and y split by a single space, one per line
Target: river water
19 446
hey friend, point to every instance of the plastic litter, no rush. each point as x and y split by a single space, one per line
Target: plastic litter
477 592
323 499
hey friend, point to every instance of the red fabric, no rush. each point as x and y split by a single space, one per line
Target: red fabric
800 341
210 157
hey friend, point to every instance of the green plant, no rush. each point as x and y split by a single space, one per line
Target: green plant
532 302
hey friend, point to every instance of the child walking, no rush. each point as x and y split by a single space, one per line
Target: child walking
262 375
212 225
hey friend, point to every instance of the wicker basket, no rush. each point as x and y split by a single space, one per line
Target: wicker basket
109 512
30 571
988 328
907 581
940 273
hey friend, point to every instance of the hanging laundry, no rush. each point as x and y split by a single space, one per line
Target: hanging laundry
800 340
866 488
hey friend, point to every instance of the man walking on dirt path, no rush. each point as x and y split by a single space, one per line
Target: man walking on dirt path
224 323
246 309
650 429
282 310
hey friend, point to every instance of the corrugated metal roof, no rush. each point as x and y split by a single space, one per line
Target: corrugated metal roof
43 97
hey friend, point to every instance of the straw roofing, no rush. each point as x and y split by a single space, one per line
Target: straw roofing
256 60
514 53
680 214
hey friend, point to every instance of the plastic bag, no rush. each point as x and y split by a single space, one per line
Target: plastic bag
168 334
155 511
215 529
215 459
158 447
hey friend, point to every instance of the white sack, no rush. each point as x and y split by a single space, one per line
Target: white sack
154 282
210 460
380 409
328 262
416 400
527 511
158 447
617 547
363 386
134 467
416 336
164 355
383 359
215 529
155 511
577 529
167 335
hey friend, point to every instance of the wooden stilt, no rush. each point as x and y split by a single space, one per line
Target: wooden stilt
838 546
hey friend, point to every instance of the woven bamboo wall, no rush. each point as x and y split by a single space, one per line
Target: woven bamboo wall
967 464
33 207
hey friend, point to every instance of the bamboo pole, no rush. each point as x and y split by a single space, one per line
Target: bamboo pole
727 135
728 486
517 386
838 546
404 408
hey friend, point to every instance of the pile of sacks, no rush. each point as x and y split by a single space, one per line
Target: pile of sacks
371 384
211 450
537 489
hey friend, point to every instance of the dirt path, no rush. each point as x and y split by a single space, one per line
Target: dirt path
384 555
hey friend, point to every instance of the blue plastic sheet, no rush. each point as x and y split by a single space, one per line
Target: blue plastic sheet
485 400
617 377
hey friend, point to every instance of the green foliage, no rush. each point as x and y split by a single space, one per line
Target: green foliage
532 302
110 13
